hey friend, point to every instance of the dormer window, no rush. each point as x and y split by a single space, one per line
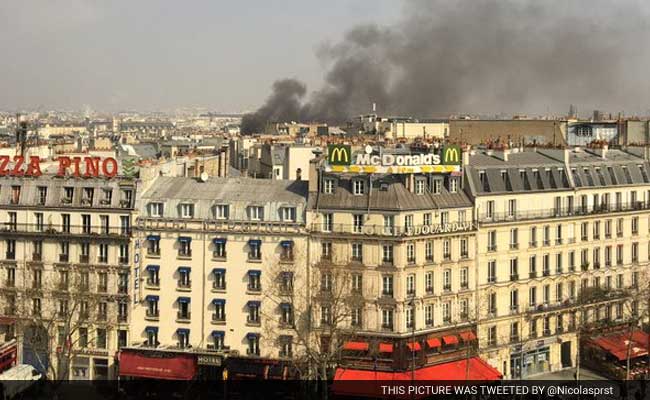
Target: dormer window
68 193
155 210
89 194
358 187
221 211
419 186
288 214
107 196
255 213
328 186
436 186
187 210
453 185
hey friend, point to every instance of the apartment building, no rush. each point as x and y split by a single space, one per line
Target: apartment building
555 227
211 255
65 270
403 247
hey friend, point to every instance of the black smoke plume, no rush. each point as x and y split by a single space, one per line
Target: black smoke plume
478 56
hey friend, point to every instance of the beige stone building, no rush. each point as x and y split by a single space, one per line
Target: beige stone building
554 226
65 270
209 256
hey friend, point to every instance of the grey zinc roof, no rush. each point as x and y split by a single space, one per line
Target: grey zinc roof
395 197
227 189
544 170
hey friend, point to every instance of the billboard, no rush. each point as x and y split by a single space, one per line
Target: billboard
341 159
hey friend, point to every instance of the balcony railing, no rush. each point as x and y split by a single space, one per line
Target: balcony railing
67 230
563 212
393 231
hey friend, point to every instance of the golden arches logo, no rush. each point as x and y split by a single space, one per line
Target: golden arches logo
338 154
451 155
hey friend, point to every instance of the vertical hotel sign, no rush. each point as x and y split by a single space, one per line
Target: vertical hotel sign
136 272
341 159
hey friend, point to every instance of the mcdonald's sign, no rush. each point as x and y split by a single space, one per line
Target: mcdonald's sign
451 155
339 154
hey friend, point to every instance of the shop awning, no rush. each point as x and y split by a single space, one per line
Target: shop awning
414 346
478 370
219 302
286 243
219 271
182 331
467 336
184 270
285 306
618 344
178 367
254 242
450 339
184 239
151 329
434 343
151 297
385 347
252 335
253 303
152 267
219 241
183 300
355 346
254 272
153 237
218 333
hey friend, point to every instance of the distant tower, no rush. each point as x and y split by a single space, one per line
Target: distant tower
21 134
573 111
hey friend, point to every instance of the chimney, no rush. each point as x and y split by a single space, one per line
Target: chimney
466 152
314 175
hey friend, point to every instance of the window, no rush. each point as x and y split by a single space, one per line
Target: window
446 249
37 279
492 336
357 226
123 282
156 210
288 214
152 307
428 251
410 321
558 263
100 342
635 252
492 304
489 209
107 196
104 224
387 285
408 222
253 344
464 278
428 315
126 198
102 282
326 250
387 319
584 231
532 296
64 279
635 225
125 225
41 195
328 186
514 269
437 185
325 316
221 211
514 332
464 248
255 213
357 283
492 271
389 224
254 282
103 253
512 208
419 186
40 226
410 285
184 277
11 277
219 282
387 254
327 222
183 336
514 301
547 235
492 241
358 187
219 248
453 185
187 210
326 281
13 221
514 238
357 252
102 311
428 282
184 246
410 253
426 219
446 279
533 237
532 266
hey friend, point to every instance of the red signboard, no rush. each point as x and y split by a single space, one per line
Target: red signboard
87 167
176 366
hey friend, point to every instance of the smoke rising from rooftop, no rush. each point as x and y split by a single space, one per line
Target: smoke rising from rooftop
477 56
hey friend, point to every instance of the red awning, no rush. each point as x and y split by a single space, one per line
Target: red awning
450 339
385 347
434 343
478 370
618 344
414 346
181 366
356 346
467 336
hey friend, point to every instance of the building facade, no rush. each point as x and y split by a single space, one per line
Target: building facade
210 256
556 227
65 280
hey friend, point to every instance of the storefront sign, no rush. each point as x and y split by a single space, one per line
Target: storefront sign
136 273
341 159
87 167
204 359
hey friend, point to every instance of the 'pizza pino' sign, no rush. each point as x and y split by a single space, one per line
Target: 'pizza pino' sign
86 167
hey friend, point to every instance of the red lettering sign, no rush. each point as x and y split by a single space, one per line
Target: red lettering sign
92 167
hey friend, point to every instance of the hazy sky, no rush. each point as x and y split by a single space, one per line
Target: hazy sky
161 54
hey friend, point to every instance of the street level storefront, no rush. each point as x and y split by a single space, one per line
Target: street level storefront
609 354
472 369
157 365
534 361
